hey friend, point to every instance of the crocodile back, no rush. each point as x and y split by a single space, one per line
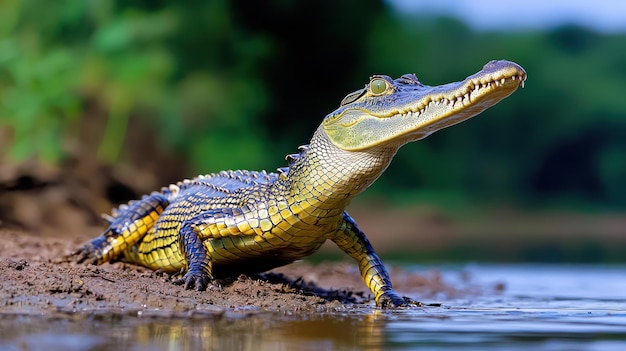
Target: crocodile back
217 185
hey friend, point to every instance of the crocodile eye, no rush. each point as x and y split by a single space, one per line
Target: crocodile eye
378 86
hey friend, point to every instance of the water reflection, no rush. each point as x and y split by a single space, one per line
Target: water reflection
452 328
359 332
263 331
441 327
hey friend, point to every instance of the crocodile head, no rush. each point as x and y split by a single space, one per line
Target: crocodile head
391 112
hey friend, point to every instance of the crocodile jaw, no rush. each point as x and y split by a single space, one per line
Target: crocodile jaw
413 112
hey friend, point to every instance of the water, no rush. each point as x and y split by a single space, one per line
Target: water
543 307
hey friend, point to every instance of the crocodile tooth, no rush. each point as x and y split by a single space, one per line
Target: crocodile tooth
503 80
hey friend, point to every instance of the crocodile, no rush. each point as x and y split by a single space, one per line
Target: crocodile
246 222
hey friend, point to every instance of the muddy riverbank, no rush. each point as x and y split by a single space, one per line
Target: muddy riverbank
38 277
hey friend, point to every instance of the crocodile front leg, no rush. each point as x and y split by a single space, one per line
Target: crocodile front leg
353 241
211 224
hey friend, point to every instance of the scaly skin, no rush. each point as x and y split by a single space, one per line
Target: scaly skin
236 222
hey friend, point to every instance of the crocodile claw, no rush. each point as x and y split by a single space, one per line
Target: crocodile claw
199 281
391 299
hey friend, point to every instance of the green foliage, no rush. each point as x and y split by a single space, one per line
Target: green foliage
128 60
34 77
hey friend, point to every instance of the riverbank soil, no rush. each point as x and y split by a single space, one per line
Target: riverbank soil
39 277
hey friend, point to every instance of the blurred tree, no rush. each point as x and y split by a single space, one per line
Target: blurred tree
204 74
234 84
35 72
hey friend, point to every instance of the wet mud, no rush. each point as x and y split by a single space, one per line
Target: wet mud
40 277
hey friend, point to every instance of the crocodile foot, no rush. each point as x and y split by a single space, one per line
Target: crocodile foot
193 279
391 299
